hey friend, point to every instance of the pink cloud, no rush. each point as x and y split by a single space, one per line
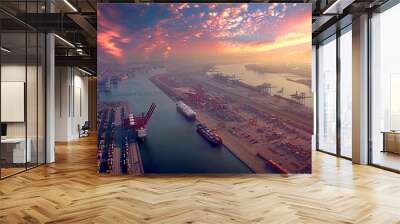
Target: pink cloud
106 41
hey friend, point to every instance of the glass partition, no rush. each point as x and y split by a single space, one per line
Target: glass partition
327 95
13 94
22 88
31 98
385 89
346 92
41 96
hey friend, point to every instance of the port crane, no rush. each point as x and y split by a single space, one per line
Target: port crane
229 79
265 88
300 97
139 122
233 79
280 92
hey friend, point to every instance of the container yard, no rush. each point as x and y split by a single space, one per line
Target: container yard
263 130
119 134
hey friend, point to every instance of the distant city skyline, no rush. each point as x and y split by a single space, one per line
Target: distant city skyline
204 32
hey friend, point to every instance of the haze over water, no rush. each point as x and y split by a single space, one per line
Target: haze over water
277 80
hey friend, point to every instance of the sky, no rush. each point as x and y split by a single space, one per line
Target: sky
204 32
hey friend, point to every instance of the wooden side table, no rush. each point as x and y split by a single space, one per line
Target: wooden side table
391 141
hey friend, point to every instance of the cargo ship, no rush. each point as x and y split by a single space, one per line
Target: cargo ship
270 164
276 166
209 135
108 85
186 110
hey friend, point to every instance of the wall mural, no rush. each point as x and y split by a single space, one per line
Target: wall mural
204 88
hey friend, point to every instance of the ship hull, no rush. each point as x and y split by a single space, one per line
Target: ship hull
186 110
190 117
212 138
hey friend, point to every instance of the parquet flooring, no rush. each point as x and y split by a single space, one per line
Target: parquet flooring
70 191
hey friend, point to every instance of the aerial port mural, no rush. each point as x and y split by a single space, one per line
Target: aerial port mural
204 88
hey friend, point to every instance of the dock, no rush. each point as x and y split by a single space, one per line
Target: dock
118 148
261 130
135 165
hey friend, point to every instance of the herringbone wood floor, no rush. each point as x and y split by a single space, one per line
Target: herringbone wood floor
70 191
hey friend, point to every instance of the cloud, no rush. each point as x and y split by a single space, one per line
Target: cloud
110 35
106 41
170 30
284 41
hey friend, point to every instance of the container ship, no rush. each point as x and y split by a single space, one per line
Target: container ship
186 110
210 136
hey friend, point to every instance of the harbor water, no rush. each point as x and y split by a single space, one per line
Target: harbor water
172 144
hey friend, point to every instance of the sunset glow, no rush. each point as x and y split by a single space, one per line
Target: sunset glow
205 32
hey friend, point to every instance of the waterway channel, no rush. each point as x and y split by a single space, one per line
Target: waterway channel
172 144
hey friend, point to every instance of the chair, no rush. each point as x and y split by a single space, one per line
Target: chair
84 130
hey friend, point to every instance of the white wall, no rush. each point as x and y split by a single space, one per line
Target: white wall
62 81
80 110
71 94
33 127
14 72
